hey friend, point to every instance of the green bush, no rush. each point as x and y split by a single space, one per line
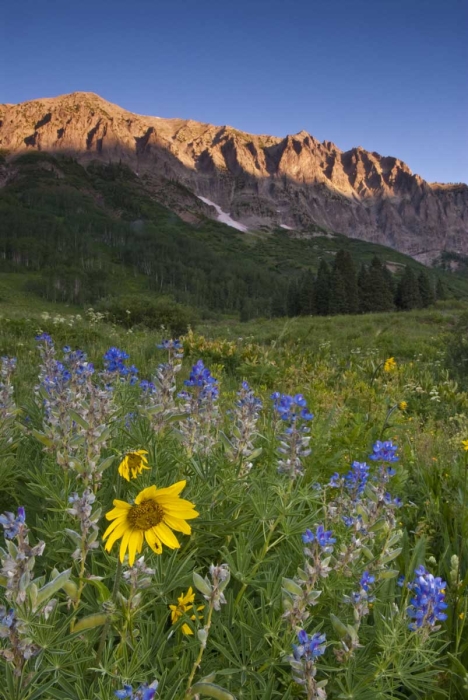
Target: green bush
151 312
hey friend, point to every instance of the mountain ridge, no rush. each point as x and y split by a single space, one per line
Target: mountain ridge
294 181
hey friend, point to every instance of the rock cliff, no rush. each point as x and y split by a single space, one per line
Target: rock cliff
294 182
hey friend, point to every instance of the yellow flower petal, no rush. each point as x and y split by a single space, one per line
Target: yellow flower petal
166 536
118 532
124 544
134 545
178 524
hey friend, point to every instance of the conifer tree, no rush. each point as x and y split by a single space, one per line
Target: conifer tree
364 290
407 294
322 290
426 291
306 293
292 302
440 290
381 287
338 296
344 289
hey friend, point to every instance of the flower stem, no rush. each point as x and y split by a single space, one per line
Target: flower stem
105 629
197 661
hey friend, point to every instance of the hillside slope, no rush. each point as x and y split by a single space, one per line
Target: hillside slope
79 234
295 182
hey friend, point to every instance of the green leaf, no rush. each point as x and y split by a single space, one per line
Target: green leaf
79 419
103 592
211 690
42 438
90 622
292 587
52 587
339 627
201 584
391 555
388 573
256 453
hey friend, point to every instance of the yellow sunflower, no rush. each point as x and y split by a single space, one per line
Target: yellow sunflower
184 605
133 464
153 516
403 405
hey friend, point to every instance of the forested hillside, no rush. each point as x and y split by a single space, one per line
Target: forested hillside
82 235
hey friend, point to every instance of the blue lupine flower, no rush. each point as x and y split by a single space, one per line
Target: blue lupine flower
44 337
428 603
309 648
335 481
348 521
201 377
170 345
400 581
366 580
144 692
12 524
384 451
323 538
287 407
357 477
248 399
7 618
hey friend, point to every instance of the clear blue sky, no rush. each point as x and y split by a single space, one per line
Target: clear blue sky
388 75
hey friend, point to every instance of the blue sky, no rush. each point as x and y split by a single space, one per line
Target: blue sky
388 75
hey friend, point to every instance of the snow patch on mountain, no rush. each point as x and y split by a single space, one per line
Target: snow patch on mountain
223 217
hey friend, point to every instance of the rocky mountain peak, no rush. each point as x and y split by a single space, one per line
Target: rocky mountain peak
295 181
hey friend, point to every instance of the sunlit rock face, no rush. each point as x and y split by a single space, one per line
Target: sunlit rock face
250 180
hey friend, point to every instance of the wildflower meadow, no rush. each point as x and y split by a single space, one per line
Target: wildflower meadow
229 517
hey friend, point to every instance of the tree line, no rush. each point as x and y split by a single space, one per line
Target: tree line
341 289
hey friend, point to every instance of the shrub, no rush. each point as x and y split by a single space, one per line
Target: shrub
151 312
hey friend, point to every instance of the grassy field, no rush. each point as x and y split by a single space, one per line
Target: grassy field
79 623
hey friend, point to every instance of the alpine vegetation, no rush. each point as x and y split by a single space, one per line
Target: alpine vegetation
177 523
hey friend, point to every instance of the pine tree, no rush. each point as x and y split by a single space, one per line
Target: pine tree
306 293
440 290
364 290
426 291
344 297
292 301
381 288
407 294
278 305
322 290
338 296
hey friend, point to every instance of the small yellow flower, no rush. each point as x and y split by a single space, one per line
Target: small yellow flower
153 517
403 405
462 616
465 445
390 364
133 464
184 605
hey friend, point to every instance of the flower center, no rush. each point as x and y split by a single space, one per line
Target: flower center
134 461
145 515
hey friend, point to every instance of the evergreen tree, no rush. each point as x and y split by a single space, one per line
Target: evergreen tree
381 287
344 297
338 296
426 291
292 300
407 294
440 290
322 290
278 305
306 293
364 290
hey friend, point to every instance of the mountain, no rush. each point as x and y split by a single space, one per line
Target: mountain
264 182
